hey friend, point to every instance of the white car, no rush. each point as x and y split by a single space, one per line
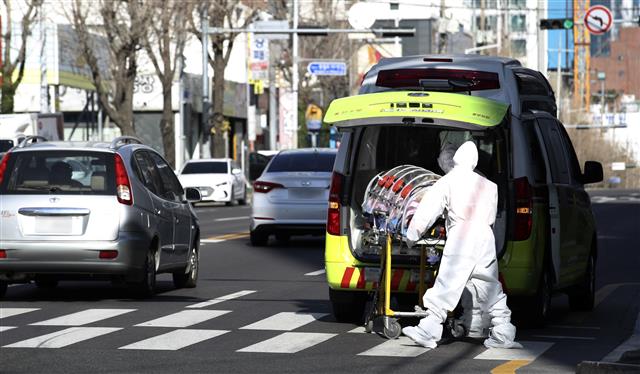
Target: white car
291 195
217 179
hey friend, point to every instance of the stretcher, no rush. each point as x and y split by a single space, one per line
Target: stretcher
390 201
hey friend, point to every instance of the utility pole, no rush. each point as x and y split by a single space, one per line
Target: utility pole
294 76
273 122
205 149
44 87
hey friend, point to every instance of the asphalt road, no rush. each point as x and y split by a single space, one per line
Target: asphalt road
266 310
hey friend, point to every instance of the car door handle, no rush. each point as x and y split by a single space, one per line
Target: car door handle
158 212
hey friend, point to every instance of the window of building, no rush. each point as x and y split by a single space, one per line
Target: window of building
518 23
518 47
517 4
491 23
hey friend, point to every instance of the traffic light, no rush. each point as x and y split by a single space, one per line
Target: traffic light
556 24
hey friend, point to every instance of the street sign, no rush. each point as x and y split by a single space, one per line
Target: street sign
258 58
272 25
618 166
327 68
598 19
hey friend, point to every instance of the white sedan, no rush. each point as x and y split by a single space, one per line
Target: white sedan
217 179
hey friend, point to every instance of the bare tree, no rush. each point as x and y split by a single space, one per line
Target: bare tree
164 44
222 13
10 80
124 24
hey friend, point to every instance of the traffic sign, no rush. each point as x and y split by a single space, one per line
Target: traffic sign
313 116
598 19
327 68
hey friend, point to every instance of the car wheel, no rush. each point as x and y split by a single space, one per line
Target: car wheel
582 298
147 286
3 288
230 202
189 277
283 238
348 306
538 310
243 201
258 239
46 284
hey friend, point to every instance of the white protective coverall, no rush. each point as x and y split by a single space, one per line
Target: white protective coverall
469 256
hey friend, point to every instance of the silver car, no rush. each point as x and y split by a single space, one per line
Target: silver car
291 195
94 210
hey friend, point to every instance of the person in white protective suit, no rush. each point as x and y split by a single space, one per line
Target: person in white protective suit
469 256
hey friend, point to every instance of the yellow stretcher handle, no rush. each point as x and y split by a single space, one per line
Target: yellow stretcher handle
387 279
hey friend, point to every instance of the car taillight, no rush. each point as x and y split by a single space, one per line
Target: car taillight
3 253
3 165
407 78
524 207
123 187
333 214
264 187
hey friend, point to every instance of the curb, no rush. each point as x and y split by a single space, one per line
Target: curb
624 359
597 367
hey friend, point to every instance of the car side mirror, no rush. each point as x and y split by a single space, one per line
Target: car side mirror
236 171
592 172
192 194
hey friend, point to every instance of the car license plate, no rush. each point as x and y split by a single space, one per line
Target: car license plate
58 225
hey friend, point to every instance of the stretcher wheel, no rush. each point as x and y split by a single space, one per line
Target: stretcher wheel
458 330
393 331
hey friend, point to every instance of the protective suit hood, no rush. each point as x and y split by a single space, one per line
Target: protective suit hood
466 156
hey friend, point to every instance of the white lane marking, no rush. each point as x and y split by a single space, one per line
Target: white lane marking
184 318
285 321
220 299
84 317
175 340
230 219
574 327
9 312
564 337
64 337
401 347
530 351
288 342
317 272
631 344
6 328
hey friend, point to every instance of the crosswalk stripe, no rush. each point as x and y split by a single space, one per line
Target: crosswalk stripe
9 312
401 347
220 299
84 317
288 342
530 351
6 328
184 318
285 321
175 340
358 330
64 337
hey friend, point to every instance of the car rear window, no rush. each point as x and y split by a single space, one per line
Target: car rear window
214 167
307 161
60 172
